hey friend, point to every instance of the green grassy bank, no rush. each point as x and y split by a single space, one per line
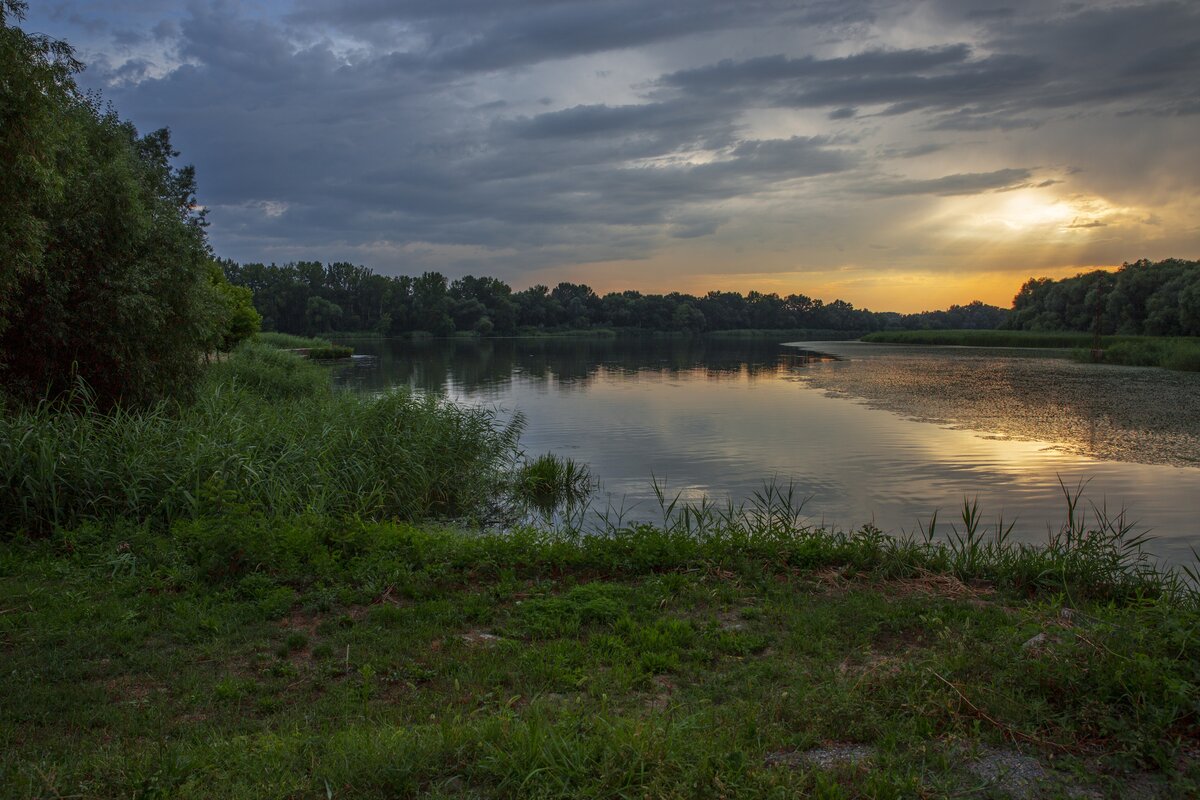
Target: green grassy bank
1170 352
262 595
243 655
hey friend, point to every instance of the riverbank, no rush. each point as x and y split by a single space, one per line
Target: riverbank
248 656
1170 352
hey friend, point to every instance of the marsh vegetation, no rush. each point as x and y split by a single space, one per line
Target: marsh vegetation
1171 352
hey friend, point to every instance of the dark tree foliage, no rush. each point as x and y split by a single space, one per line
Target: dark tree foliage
36 88
1144 297
972 316
105 274
311 298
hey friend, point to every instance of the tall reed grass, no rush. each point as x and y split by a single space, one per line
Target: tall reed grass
266 432
289 341
314 348
1181 353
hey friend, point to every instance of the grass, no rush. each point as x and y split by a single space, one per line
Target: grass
314 348
268 432
249 655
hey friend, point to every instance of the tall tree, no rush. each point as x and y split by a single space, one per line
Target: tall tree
103 259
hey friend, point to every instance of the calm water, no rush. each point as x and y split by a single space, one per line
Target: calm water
866 432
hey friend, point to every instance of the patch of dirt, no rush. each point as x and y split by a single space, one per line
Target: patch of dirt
726 620
829 756
305 622
872 663
664 687
1022 777
888 653
898 641
132 689
1017 774
480 638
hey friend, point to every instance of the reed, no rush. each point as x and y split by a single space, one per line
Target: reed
1091 552
550 482
1182 354
266 432
288 341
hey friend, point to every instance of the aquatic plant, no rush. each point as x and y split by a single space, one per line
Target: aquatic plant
550 481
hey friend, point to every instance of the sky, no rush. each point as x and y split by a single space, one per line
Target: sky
899 155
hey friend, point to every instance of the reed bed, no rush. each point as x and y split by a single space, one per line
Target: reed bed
1182 354
266 432
288 341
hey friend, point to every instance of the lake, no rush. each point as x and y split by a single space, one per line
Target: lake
865 433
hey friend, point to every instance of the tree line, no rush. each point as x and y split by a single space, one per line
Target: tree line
106 277
308 297
1152 298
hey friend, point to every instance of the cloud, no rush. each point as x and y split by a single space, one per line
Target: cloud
525 135
950 185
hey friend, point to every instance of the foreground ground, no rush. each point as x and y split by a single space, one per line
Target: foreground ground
249 657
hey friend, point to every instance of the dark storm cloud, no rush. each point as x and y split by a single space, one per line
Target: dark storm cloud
490 125
605 120
903 81
469 35
770 73
1090 58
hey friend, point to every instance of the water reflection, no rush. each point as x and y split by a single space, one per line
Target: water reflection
867 433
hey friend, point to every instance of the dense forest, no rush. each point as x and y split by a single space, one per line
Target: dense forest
309 298
1141 298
